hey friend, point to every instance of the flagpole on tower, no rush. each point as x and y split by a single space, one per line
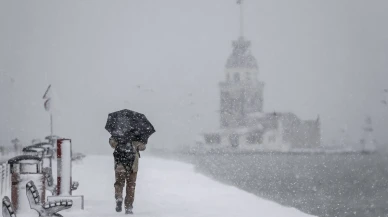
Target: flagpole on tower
241 3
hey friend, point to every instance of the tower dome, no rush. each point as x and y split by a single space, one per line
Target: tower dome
241 56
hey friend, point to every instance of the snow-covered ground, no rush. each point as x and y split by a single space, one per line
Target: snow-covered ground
168 188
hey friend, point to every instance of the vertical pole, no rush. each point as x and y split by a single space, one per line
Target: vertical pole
59 166
64 181
242 18
51 124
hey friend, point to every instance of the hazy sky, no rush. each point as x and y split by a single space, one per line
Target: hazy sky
165 59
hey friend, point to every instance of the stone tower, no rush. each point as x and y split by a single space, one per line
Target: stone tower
241 92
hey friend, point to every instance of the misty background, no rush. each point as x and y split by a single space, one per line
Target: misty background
166 58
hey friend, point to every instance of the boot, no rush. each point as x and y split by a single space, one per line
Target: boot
128 210
119 205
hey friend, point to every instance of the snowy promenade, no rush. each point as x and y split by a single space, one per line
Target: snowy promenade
168 189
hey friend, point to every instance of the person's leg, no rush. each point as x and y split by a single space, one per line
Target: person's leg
120 175
130 190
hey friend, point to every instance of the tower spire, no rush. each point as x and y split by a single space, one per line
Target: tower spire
241 3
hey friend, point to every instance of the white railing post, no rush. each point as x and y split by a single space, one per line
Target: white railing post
64 165
65 185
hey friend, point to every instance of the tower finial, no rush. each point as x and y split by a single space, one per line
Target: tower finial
240 2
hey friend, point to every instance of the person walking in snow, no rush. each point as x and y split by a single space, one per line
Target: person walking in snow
126 155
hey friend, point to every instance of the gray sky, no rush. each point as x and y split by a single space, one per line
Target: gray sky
323 57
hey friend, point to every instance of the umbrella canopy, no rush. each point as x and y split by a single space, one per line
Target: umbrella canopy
127 125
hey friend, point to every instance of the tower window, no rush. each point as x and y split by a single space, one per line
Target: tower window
236 77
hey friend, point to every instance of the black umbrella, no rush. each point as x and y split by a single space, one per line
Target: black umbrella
127 125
